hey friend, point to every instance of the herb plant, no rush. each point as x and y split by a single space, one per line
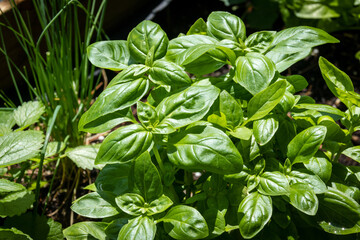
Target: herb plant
238 156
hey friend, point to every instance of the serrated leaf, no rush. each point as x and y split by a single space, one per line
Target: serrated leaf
83 156
15 203
17 147
28 113
54 148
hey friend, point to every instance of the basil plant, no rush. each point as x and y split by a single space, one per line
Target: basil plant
235 156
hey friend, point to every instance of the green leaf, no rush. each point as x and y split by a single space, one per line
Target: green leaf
124 144
109 103
303 198
320 166
14 202
297 81
86 231
243 133
113 178
159 205
113 55
55 231
260 41
146 178
215 220
283 61
265 129
28 113
304 176
140 228
322 109
143 37
206 148
273 184
255 211
165 72
184 223
185 107
92 205
83 156
254 72
131 203
297 39
13 234
17 147
54 148
232 110
263 102
146 114
199 27
305 144
353 153
223 25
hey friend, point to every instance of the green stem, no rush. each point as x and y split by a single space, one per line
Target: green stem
158 159
42 156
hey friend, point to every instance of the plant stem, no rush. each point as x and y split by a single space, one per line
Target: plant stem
42 156
158 159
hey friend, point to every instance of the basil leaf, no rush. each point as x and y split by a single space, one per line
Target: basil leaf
124 144
297 81
353 153
146 178
322 108
131 203
297 39
334 77
17 147
28 113
13 234
146 114
223 25
185 107
303 198
140 228
320 166
273 184
113 178
165 72
231 109
206 148
283 61
215 220
199 27
143 37
255 211
86 231
113 99
263 102
254 72
159 205
265 129
306 144
113 55
92 205
83 156
260 41
183 223
304 176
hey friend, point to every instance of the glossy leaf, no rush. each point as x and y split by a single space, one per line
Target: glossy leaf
283 61
255 211
113 178
28 113
113 55
297 81
83 156
110 103
199 27
13 234
206 148
273 184
146 178
92 205
263 102
322 109
223 25
131 203
185 107
334 77
305 144
159 205
231 109
140 228
184 222
254 72
86 231
146 114
124 144
304 176
143 37
260 41
353 153
165 72
17 147
320 166
296 39
265 129
215 220
303 198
